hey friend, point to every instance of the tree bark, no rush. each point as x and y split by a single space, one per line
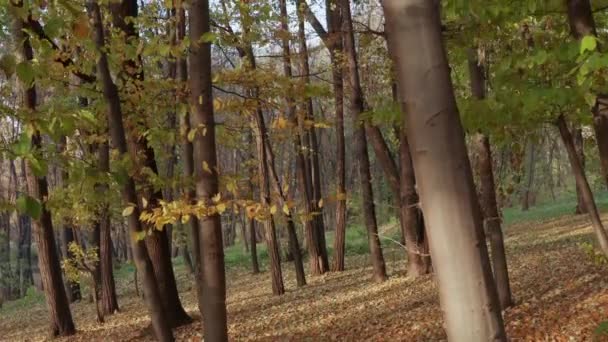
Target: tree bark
530 170
334 25
255 267
356 108
157 242
160 322
48 260
315 169
580 152
187 157
487 190
580 18
468 295
206 183
582 184
109 302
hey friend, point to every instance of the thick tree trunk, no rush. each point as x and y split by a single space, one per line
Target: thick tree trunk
160 322
206 183
61 322
580 17
582 184
356 108
468 295
579 145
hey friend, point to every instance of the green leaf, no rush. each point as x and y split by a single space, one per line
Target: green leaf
25 72
8 64
588 43
602 329
39 167
22 147
208 37
29 206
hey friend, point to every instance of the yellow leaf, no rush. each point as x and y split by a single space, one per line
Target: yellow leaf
273 209
217 104
206 167
191 135
200 99
320 203
221 207
185 219
144 202
286 209
216 198
128 211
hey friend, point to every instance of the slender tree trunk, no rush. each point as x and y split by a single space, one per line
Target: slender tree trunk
160 322
157 242
582 184
530 168
334 24
187 157
312 239
580 152
356 108
255 267
467 291
61 322
258 127
206 183
109 302
487 190
580 17
315 172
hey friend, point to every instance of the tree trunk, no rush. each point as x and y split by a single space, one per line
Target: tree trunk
160 323
580 152
582 184
356 108
491 216
255 267
530 168
187 157
580 17
334 24
157 242
48 259
315 172
313 243
206 183
487 190
259 130
467 291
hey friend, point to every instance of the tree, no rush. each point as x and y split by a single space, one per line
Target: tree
580 18
467 292
160 322
357 107
487 189
206 182
48 260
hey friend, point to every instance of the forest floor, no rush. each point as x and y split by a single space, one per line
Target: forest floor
560 290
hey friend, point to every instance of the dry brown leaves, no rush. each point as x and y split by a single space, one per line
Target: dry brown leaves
560 294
